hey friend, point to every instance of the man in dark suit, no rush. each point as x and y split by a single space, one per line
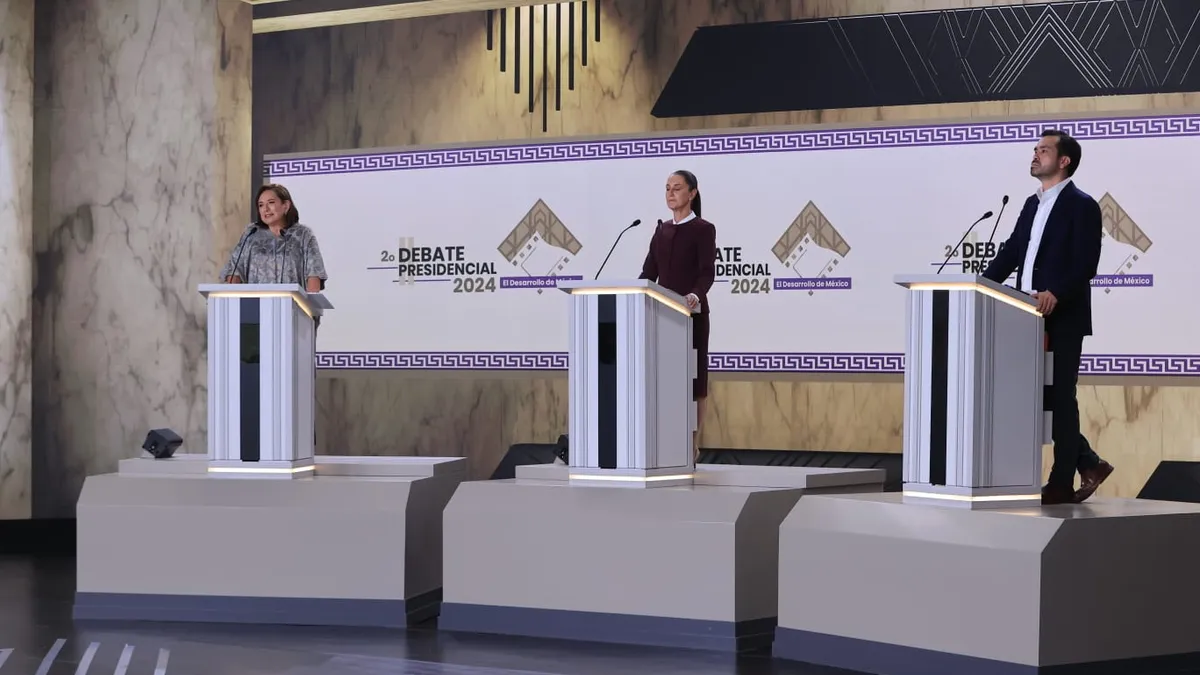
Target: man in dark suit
1055 250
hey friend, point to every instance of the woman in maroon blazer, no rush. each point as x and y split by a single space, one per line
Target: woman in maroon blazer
683 258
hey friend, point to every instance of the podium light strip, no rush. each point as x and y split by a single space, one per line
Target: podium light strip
631 479
978 288
678 307
971 498
261 469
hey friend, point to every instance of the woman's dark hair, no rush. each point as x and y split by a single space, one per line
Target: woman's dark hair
293 214
690 178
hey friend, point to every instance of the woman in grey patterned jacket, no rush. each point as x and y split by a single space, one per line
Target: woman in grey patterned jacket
276 249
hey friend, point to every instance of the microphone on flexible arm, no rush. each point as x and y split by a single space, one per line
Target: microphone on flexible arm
1003 203
964 238
241 249
614 246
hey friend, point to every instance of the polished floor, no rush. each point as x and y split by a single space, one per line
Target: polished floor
38 637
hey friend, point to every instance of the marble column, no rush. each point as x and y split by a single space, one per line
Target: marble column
145 107
16 255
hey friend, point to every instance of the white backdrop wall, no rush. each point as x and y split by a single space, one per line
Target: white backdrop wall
446 258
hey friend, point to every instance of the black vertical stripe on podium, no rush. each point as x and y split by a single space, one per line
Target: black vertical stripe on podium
606 384
938 386
1048 389
250 379
1048 375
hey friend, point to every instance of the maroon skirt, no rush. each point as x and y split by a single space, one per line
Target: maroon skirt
700 344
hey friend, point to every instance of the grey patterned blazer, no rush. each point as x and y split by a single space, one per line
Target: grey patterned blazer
262 258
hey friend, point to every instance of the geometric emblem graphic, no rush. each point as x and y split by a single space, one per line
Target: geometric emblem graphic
540 245
1132 242
811 246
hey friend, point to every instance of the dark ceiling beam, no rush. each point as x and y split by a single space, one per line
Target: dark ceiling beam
1081 48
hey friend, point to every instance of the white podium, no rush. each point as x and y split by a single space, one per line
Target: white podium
974 373
631 370
261 379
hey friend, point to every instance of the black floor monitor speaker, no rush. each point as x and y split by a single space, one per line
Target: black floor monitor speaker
1173 482
162 443
522 454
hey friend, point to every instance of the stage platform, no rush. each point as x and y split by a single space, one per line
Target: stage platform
357 544
689 566
871 584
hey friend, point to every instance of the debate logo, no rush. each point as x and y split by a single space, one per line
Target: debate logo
539 249
1124 246
812 249
443 264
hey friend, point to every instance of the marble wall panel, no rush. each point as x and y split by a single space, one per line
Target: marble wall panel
144 114
16 255
432 81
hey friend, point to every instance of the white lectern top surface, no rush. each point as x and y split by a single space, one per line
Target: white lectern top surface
627 287
968 282
307 300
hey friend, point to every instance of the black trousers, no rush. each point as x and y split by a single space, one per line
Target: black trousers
1072 452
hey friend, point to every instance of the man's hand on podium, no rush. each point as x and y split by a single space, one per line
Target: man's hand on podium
692 300
1046 301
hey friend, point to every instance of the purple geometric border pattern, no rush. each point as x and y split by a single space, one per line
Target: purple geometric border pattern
731 144
442 360
847 364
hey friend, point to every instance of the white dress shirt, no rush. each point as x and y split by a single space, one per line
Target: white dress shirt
1046 199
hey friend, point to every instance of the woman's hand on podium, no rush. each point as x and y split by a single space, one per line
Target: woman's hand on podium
692 300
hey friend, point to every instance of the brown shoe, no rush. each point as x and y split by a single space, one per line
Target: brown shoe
1053 494
1090 479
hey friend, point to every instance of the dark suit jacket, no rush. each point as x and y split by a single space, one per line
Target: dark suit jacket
683 258
1066 260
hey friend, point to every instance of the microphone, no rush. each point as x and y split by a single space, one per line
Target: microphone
1003 203
241 250
614 246
964 238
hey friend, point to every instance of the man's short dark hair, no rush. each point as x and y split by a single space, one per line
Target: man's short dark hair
1067 147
